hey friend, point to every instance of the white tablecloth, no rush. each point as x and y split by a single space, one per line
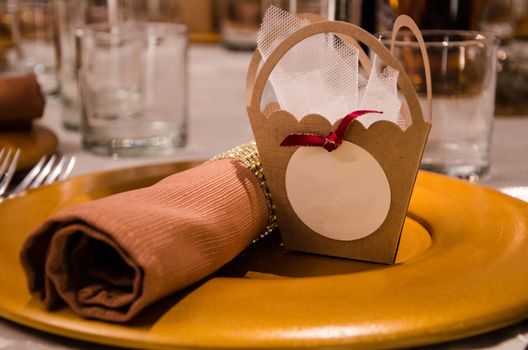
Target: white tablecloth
218 122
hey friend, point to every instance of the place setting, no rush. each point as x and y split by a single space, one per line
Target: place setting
347 188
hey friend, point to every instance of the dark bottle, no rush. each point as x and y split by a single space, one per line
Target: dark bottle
441 14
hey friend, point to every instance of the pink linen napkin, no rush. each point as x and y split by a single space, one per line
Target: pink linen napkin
110 258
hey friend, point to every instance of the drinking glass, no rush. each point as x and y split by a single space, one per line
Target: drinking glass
464 69
32 32
69 14
9 53
133 84
239 20
324 8
499 18
72 14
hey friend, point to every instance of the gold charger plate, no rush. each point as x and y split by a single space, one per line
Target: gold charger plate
469 278
34 144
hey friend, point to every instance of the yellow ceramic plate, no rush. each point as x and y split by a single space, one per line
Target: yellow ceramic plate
471 277
33 144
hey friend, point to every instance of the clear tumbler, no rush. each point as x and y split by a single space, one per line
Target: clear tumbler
464 71
133 84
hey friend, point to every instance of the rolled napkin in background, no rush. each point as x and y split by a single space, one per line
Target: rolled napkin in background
21 101
109 258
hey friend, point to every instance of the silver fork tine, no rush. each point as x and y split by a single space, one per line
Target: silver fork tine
24 184
6 160
46 172
10 171
68 169
43 173
55 172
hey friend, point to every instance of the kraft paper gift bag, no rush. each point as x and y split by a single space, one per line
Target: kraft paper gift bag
339 149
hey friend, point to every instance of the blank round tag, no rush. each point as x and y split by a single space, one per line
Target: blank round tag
342 195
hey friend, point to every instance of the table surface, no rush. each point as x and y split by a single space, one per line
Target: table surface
218 121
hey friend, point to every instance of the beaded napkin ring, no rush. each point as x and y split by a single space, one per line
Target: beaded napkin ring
248 155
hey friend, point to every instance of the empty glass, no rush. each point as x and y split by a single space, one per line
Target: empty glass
32 33
133 84
325 8
69 15
463 67
9 53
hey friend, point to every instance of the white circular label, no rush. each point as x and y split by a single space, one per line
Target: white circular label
342 195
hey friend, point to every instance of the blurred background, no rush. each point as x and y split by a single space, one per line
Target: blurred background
235 24
30 38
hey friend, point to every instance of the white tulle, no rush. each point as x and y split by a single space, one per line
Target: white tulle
321 74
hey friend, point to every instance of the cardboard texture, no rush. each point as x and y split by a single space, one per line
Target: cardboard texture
397 151
326 208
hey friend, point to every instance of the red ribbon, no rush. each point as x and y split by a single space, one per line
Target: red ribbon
330 142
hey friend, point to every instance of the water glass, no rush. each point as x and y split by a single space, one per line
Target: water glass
133 84
499 17
32 33
324 8
464 70
69 15
9 53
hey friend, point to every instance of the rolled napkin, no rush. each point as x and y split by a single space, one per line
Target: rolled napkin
21 101
109 258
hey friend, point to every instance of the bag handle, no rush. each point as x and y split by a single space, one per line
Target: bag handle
363 57
256 88
405 21
313 18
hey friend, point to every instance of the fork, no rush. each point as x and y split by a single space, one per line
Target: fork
46 172
7 168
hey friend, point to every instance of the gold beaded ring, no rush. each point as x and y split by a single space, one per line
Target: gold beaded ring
248 155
